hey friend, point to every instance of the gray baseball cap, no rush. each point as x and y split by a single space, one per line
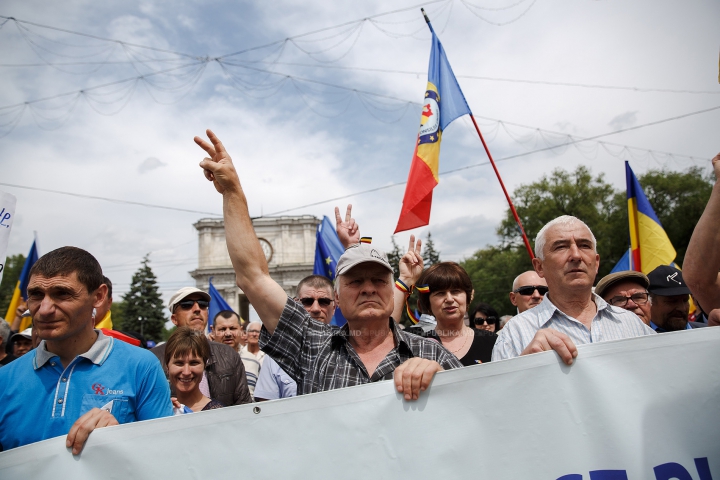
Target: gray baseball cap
361 253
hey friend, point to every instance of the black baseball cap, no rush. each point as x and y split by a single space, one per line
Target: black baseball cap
666 281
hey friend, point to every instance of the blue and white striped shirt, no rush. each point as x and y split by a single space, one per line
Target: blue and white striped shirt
610 323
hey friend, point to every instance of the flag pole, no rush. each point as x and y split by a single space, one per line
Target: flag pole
497 173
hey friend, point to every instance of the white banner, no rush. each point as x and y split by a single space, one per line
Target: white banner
7 216
644 408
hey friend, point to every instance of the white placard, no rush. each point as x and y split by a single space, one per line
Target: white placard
642 408
7 216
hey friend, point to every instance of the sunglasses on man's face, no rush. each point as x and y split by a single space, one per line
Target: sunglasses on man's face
482 321
530 289
308 302
188 304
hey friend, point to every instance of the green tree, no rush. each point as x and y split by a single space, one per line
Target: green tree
429 254
117 310
394 257
492 271
11 274
143 310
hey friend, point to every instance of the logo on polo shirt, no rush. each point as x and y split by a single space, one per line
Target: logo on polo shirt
99 389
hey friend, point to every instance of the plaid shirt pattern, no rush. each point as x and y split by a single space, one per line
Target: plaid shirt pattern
320 357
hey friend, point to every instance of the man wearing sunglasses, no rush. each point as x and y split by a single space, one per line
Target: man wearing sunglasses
315 294
224 377
529 288
570 314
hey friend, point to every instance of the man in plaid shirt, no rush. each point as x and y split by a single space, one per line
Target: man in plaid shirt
318 357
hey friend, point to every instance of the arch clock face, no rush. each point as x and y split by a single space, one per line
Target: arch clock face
267 249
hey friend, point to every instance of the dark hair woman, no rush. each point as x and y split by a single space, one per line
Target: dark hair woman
485 317
447 291
186 353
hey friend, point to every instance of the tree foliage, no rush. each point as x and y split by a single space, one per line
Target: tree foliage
11 274
678 199
429 254
143 306
394 257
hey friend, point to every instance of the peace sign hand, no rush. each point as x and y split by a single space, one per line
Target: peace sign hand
348 231
219 168
411 264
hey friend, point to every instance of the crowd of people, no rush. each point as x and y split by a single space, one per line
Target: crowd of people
71 373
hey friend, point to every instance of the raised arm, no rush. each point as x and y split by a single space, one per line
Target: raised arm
702 258
348 231
411 267
251 270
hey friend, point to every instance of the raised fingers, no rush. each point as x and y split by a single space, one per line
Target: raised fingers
219 147
412 243
348 213
205 146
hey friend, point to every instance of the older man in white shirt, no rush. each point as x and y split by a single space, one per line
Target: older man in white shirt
570 314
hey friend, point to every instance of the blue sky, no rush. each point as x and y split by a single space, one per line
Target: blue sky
297 142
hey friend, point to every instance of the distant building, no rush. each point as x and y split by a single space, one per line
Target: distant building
288 243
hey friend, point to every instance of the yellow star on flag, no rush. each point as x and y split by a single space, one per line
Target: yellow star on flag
328 260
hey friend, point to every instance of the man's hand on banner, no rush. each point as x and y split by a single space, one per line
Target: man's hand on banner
81 429
411 264
414 376
219 168
348 231
549 339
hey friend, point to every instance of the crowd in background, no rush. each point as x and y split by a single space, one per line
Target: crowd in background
71 372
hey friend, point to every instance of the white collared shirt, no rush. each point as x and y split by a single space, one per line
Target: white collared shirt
610 323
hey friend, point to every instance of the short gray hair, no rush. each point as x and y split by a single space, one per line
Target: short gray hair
561 220
4 333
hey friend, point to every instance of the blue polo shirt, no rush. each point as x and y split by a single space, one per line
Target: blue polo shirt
39 399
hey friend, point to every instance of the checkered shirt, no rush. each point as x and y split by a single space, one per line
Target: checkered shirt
320 357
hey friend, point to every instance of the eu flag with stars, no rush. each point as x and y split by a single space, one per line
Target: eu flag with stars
328 250
217 304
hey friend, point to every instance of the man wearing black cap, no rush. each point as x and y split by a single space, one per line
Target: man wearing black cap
670 300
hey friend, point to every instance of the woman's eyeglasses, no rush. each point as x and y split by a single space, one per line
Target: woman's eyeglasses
308 302
530 289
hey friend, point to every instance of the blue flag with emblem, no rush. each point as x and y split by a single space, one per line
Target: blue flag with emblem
328 250
217 304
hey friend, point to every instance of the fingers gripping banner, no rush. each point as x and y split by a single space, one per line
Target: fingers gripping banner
643 408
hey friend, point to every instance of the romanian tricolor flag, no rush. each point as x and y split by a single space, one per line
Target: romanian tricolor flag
650 245
20 293
444 102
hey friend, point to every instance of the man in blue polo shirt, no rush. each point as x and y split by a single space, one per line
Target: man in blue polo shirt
77 379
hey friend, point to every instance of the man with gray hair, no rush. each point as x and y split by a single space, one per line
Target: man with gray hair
570 313
5 334
368 348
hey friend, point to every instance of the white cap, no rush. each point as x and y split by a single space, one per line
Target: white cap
185 292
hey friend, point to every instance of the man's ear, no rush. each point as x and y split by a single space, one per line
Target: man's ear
99 295
512 298
174 320
538 266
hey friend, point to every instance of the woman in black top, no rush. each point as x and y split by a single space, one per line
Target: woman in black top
449 294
